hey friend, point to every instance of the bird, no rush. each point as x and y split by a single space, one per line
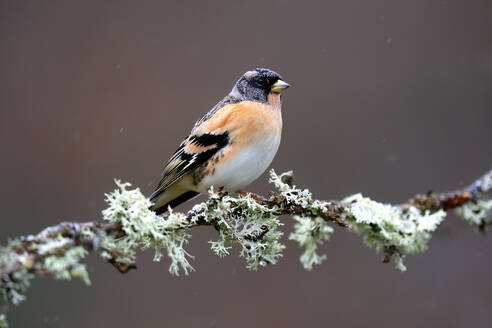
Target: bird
230 146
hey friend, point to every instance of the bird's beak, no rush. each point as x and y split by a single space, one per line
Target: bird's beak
279 86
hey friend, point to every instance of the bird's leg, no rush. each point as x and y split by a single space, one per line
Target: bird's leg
256 197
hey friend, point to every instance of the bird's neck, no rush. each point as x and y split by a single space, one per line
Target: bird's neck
274 100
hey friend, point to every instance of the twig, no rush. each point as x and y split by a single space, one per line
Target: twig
249 220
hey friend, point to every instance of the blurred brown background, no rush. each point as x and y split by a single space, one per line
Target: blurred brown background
389 98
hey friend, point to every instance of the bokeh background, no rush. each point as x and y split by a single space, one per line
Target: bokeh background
389 98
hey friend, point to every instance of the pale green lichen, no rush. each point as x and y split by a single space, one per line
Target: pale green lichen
310 230
145 229
384 226
478 210
475 212
57 257
308 233
294 195
251 224
486 185
121 250
53 245
398 260
244 221
67 266
14 259
14 288
3 321
61 259
219 248
278 183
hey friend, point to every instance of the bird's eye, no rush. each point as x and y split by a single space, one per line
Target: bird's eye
261 81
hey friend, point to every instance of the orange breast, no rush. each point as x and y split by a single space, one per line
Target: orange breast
245 121
248 123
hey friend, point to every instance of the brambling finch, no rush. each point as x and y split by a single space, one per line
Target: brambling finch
231 146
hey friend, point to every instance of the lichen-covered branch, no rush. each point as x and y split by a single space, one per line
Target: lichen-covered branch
251 221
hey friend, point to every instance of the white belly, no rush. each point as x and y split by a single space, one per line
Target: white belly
244 167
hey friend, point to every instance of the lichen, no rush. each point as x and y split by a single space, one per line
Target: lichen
67 266
244 221
219 248
486 183
278 181
308 233
56 256
3 321
475 212
310 230
248 222
143 229
53 245
384 226
294 195
13 287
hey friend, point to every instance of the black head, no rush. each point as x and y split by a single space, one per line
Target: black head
257 84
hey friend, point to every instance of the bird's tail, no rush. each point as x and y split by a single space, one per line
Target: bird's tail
162 199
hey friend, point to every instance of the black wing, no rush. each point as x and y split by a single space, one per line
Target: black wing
183 162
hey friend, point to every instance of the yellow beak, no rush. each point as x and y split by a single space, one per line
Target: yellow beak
279 86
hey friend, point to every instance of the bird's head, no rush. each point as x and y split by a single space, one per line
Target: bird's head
257 84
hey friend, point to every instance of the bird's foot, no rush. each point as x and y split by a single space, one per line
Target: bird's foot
256 197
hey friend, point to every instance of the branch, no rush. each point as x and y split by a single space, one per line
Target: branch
249 220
